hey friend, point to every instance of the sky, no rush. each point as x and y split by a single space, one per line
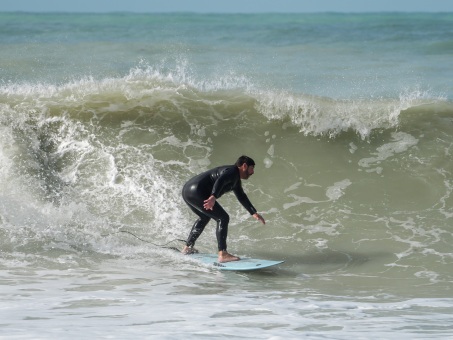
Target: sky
227 6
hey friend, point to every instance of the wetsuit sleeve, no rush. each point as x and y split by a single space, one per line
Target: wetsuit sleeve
244 200
229 180
226 179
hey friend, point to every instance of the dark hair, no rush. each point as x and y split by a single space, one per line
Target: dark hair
245 159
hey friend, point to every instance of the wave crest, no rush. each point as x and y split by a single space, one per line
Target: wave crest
228 95
325 116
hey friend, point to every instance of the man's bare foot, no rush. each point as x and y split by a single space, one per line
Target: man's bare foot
189 250
224 256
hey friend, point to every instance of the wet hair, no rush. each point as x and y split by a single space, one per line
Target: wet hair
245 159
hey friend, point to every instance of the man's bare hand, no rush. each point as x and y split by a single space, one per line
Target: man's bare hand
209 203
259 218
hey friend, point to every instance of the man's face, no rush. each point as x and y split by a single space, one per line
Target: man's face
247 171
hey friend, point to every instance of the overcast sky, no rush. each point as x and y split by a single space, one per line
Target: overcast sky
227 6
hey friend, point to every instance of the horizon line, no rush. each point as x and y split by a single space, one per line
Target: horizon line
223 12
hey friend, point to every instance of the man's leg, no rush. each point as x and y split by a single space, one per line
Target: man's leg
223 219
196 231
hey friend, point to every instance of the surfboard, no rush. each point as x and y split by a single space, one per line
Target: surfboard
244 264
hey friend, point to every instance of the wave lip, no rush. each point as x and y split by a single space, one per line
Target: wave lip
150 89
325 116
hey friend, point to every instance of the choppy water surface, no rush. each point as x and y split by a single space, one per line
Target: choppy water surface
104 117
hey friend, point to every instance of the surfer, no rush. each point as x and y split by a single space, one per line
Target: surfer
201 194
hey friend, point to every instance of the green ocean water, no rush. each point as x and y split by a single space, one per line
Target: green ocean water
104 117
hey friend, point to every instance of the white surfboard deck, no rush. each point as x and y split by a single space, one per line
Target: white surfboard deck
244 264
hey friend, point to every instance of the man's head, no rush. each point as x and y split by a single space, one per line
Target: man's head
246 166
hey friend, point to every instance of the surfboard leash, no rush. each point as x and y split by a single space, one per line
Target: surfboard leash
165 246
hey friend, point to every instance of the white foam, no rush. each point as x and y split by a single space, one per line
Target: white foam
337 190
401 142
324 116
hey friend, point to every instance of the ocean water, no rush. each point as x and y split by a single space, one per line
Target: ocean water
349 117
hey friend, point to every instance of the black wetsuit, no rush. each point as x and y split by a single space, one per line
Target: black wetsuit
215 182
